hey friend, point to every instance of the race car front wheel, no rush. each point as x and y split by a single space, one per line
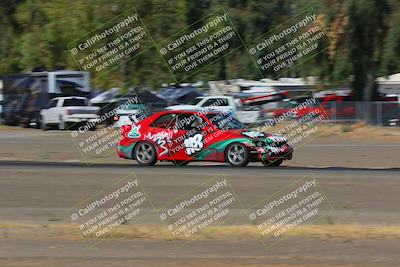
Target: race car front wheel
237 155
145 154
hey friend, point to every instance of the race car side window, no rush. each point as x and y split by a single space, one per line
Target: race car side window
192 123
166 121
186 121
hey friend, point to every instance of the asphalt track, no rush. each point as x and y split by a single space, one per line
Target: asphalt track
40 194
328 151
357 195
363 190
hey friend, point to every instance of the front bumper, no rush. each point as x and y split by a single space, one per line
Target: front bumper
273 153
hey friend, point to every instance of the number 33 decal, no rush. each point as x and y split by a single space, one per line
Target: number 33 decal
193 144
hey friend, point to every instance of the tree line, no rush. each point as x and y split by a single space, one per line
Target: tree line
364 34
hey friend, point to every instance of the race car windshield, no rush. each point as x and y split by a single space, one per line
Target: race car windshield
225 121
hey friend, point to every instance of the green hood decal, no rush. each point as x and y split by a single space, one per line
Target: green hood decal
220 146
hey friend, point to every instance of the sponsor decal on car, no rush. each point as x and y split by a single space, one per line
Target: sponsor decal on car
189 145
253 134
161 138
134 133
276 138
193 144
276 150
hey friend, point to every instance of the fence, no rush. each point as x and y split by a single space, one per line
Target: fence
376 113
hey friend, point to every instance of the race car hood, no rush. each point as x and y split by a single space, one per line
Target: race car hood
256 136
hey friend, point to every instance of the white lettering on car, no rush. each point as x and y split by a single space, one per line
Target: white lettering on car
193 144
253 134
160 139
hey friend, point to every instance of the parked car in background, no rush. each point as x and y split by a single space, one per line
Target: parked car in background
128 113
221 104
215 103
64 112
390 109
338 107
279 108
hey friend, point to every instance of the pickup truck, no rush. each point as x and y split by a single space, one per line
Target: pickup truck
66 111
222 104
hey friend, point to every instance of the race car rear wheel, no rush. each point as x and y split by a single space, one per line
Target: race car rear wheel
271 163
237 155
145 154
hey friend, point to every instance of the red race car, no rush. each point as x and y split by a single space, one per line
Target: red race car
184 136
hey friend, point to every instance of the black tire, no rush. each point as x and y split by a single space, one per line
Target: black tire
61 124
237 155
43 125
180 162
275 163
145 154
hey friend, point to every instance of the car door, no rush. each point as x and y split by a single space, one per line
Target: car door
177 129
51 111
190 138
160 133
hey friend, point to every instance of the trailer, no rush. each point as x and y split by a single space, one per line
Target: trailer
25 95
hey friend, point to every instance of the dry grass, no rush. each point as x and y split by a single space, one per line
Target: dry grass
359 131
10 128
67 231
